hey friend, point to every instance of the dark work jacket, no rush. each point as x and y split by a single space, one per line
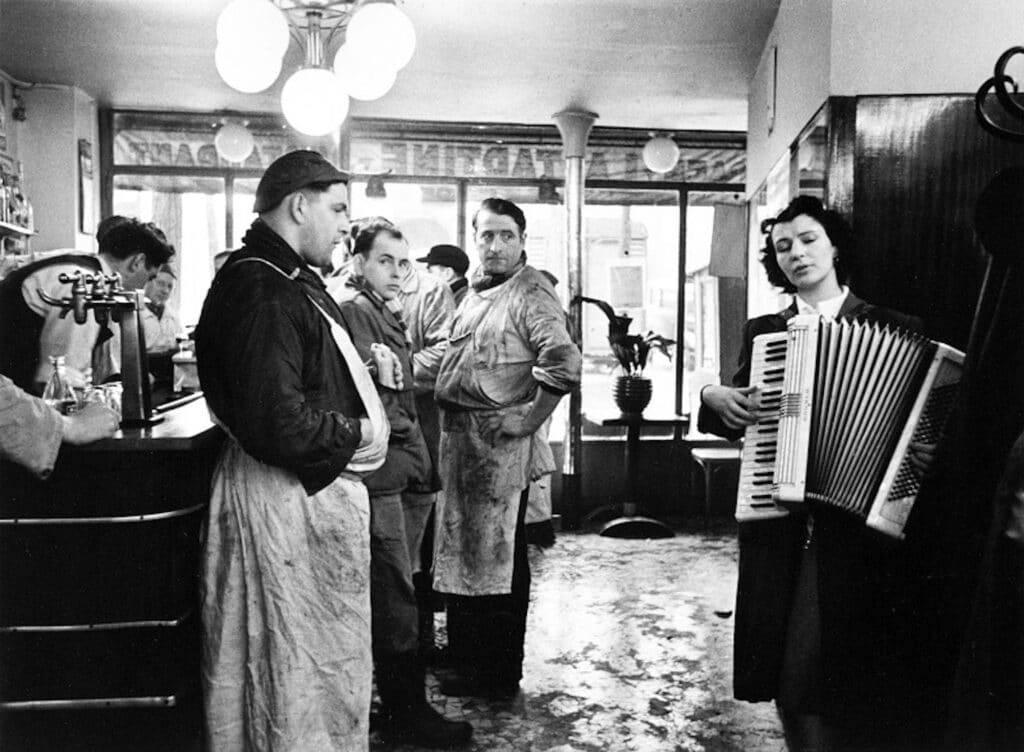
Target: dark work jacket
21 327
858 574
269 366
408 465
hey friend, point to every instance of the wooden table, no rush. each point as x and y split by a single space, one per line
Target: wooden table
632 523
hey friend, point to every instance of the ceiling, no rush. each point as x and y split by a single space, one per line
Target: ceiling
657 64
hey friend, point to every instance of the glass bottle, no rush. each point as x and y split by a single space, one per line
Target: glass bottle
58 393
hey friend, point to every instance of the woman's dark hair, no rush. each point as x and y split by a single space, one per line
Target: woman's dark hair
505 207
838 231
365 230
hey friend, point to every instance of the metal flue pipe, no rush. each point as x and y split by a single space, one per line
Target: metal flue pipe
574 127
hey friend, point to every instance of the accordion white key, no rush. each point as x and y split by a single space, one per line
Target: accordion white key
837 430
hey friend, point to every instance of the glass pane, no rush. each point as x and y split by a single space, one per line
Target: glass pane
631 261
190 211
427 213
242 214
536 158
767 202
715 248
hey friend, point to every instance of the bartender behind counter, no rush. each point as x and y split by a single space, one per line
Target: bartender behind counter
31 330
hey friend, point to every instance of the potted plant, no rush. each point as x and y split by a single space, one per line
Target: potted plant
632 389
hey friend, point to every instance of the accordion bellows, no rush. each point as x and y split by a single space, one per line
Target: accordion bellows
840 404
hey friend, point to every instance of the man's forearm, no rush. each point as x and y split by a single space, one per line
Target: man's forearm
543 405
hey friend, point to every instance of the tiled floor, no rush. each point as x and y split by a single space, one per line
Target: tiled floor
629 647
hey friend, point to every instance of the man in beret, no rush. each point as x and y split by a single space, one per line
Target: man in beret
286 662
450 263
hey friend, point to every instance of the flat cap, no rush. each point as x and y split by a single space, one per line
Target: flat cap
292 171
447 255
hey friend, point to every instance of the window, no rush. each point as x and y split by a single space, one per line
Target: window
166 170
429 178
191 213
426 212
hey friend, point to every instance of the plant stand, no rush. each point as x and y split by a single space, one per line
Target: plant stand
632 523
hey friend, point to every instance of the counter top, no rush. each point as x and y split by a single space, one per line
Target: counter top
182 429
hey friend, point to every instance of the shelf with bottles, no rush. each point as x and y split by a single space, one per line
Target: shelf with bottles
8 229
17 223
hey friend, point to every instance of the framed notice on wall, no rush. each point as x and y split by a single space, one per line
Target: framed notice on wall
86 205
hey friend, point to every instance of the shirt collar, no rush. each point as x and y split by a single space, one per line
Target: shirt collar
828 309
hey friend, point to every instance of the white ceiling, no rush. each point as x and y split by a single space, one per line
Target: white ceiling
657 64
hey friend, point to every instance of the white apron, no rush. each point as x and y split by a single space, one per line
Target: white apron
286 661
477 511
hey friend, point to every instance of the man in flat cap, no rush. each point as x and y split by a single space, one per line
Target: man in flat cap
286 662
450 263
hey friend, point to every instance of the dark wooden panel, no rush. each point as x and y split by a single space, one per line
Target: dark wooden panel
921 162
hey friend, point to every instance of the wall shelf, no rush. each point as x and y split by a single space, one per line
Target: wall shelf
7 230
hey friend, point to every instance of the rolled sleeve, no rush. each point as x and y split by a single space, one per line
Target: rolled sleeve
559 363
30 430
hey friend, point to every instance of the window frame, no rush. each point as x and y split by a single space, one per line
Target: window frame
483 133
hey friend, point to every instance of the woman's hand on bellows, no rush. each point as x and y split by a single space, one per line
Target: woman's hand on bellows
922 457
736 407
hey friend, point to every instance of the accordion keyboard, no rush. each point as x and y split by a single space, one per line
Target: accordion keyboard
754 498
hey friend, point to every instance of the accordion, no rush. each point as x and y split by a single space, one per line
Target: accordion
839 404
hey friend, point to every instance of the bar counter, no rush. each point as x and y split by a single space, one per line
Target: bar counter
99 574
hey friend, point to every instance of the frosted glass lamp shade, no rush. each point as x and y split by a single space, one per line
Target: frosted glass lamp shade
660 154
360 77
233 142
314 101
245 68
383 33
253 23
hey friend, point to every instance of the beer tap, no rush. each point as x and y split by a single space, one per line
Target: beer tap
103 295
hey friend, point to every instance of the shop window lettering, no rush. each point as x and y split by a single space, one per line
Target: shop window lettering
532 162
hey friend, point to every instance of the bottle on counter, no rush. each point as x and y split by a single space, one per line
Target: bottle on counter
185 376
58 393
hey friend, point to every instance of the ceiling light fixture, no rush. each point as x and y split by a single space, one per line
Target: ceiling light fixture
660 154
253 37
234 142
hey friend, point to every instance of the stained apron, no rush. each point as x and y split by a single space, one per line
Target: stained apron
477 511
286 661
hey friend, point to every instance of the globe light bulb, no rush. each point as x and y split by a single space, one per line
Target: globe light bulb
245 69
233 142
660 154
253 23
314 102
381 32
359 77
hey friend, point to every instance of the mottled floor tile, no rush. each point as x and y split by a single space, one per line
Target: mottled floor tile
629 647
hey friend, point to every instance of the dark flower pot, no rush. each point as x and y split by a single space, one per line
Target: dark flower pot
632 394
